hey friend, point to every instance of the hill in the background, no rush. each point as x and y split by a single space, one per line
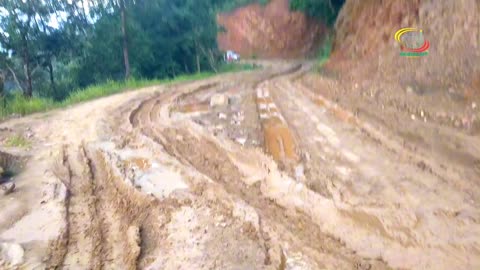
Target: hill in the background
270 31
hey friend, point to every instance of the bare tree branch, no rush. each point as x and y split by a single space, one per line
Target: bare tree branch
15 78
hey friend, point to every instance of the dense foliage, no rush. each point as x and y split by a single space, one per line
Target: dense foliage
326 10
228 6
50 48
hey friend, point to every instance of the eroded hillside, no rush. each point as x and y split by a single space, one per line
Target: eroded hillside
272 31
365 31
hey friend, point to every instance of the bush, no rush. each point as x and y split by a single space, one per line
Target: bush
18 104
325 50
324 10
232 5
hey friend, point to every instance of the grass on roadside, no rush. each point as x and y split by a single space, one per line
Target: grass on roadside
18 104
17 141
324 51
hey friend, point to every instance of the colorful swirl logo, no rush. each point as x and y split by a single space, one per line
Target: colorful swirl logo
412 42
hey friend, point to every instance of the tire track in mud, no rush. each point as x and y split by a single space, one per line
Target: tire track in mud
378 193
112 224
399 147
104 216
209 159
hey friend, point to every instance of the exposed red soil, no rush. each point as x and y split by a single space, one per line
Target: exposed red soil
269 32
365 48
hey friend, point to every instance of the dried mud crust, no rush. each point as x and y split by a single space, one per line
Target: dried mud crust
112 225
339 163
442 131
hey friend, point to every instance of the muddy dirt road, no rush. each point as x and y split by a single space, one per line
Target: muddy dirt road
252 170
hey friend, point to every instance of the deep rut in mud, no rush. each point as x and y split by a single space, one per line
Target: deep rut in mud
271 177
210 159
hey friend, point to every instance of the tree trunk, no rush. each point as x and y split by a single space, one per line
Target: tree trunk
125 39
52 80
2 87
28 73
197 57
186 67
15 78
210 58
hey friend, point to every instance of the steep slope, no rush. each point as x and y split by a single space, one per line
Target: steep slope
270 31
365 34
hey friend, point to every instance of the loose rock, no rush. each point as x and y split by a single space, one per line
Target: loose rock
218 100
222 116
8 188
241 141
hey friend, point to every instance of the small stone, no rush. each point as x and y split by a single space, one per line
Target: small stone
409 89
306 156
241 141
218 100
222 116
235 99
299 172
474 105
413 116
422 114
8 188
422 165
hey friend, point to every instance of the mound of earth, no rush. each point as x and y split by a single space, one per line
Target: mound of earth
365 37
269 31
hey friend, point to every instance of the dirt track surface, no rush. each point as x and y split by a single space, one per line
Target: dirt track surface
278 177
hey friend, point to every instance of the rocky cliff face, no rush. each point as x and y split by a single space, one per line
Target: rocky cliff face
365 38
270 31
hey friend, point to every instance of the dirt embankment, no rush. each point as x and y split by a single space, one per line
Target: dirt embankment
269 31
365 34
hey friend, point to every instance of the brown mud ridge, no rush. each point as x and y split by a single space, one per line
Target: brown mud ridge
269 176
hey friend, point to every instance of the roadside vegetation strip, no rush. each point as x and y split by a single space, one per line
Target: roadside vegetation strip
17 104
17 141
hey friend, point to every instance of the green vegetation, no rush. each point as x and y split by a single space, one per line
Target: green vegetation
50 49
17 141
116 39
325 50
229 6
324 10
